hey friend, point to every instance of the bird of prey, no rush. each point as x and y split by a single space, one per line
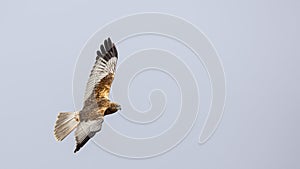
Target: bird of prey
88 121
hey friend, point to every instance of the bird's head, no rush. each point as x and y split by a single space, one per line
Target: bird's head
114 107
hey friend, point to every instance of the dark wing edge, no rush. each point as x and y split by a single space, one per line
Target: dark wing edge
105 64
86 130
81 144
107 50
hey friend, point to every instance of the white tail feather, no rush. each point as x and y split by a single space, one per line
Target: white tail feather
66 122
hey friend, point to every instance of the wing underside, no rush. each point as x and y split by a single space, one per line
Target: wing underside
102 74
85 131
98 87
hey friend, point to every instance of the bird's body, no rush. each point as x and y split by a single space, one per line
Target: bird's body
88 121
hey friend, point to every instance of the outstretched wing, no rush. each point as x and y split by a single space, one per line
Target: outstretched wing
102 74
87 129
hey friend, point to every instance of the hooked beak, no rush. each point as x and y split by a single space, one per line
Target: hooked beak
119 107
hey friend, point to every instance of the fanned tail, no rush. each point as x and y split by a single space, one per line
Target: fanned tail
66 122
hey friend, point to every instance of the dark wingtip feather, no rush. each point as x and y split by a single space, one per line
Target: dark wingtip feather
107 50
98 53
109 41
107 47
79 145
102 49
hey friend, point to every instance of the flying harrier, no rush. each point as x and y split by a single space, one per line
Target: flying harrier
88 121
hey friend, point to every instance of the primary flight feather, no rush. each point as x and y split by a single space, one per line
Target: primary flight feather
88 121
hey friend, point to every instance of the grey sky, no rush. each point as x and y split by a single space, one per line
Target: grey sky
257 41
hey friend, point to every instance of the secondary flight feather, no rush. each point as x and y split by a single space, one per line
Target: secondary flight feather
88 121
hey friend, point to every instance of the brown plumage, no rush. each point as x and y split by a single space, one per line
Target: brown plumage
88 121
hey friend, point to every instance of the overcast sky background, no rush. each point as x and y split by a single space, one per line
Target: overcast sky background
257 41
